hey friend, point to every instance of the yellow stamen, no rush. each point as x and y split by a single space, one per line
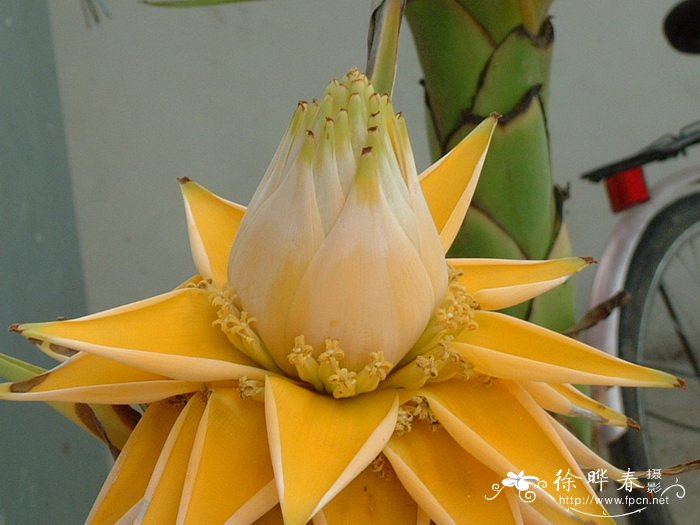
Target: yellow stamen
343 383
423 412
411 376
381 466
251 389
236 325
327 374
417 408
302 359
373 373
449 363
455 314
338 380
404 420
329 362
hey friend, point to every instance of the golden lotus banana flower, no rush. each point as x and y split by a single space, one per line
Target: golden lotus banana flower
328 363
298 260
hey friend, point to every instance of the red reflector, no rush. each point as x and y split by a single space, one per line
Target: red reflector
627 188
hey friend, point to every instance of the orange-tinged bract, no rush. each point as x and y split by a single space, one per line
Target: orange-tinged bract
335 367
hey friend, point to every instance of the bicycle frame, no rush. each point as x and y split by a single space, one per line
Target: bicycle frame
612 271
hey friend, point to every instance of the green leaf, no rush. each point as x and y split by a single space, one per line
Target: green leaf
14 369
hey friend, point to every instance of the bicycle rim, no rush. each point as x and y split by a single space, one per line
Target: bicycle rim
660 328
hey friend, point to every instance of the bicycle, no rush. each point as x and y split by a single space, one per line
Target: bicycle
654 254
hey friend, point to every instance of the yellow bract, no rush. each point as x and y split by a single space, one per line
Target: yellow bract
449 184
497 283
230 450
319 445
129 477
430 463
210 245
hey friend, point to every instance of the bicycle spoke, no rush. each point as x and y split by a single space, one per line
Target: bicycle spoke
670 421
685 343
683 373
689 262
695 250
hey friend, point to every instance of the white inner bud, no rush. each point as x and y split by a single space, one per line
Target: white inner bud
338 242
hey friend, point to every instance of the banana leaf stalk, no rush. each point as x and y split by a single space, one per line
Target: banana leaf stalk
483 57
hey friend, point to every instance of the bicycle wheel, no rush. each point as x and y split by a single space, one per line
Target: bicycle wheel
660 328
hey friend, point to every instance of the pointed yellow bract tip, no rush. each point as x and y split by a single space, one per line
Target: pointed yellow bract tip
318 444
449 184
212 224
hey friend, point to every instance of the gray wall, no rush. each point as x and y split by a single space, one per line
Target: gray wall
49 469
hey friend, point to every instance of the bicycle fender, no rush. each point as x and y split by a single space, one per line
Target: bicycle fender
613 267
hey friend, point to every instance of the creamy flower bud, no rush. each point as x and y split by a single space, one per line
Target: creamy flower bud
338 241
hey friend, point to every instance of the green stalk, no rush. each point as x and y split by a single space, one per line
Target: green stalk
479 57
383 43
